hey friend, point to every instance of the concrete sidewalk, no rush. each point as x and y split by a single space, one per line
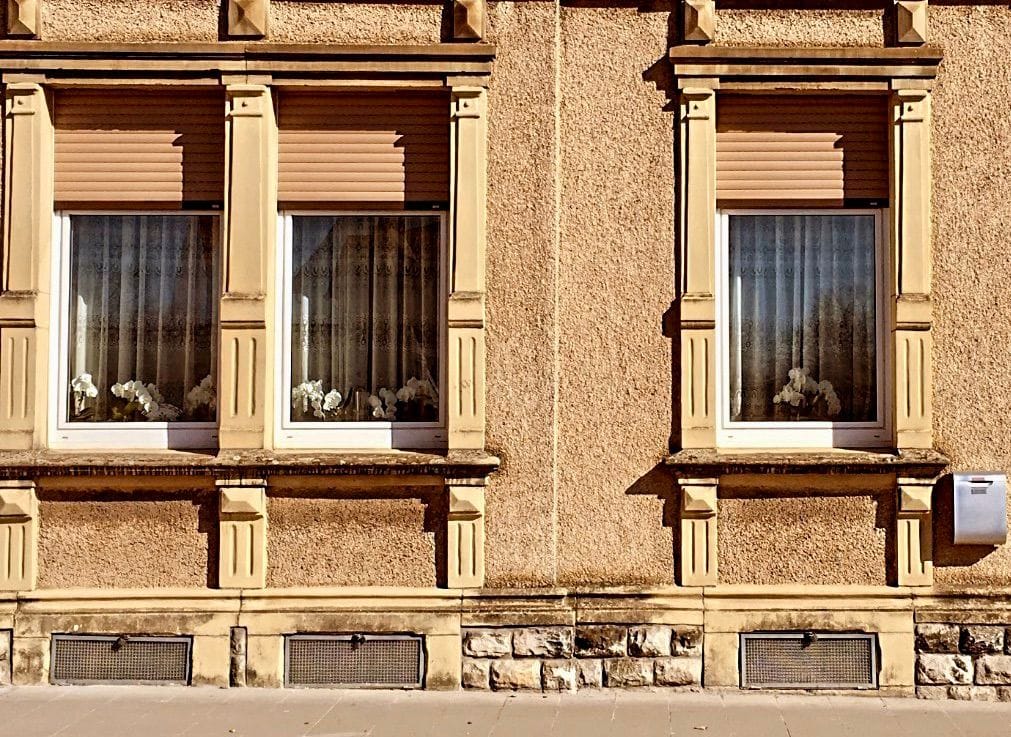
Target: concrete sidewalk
109 711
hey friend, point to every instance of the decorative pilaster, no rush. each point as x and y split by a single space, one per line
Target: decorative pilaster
24 18
697 204
468 19
911 22
914 534
911 274
242 545
698 532
27 241
466 412
698 21
248 18
465 534
250 212
19 536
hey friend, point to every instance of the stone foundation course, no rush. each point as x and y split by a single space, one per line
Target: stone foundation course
584 656
966 662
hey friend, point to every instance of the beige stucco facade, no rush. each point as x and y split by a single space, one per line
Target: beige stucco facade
581 484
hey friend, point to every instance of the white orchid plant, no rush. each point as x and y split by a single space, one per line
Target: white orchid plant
135 401
805 397
309 394
416 400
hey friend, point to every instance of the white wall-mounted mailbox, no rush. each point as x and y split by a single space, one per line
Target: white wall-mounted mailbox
980 508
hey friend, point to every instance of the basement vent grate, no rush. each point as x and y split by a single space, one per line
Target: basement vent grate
809 660
354 661
82 659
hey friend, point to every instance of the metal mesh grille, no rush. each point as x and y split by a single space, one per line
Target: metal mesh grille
339 660
98 659
792 661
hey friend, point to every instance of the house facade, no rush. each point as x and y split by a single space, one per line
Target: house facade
512 345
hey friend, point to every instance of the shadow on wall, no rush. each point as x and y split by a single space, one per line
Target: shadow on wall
946 553
659 482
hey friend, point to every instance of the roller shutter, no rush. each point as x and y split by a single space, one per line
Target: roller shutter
801 149
386 148
161 148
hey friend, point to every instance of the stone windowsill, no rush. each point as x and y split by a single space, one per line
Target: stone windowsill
244 463
713 463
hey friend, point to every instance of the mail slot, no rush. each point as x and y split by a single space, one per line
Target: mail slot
980 508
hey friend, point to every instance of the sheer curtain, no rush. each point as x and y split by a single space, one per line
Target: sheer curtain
143 307
365 311
802 296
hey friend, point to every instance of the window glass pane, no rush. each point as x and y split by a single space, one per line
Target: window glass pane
802 318
143 311
365 318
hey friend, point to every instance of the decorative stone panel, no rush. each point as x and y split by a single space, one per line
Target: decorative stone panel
699 18
24 18
19 536
567 658
242 513
911 22
468 20
248 18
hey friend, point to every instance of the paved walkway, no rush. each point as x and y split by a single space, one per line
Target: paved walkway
109 711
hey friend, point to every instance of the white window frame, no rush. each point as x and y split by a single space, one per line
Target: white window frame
825 435
370 435
67 435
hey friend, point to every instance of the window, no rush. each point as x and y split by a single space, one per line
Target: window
800 328
363 313
137 341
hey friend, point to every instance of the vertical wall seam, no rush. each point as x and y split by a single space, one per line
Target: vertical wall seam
556 276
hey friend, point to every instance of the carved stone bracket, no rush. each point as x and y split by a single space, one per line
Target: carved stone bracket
465 534
699 21
242 515
914 535
24 18
468 20
19 536
911 22
248 18
698 532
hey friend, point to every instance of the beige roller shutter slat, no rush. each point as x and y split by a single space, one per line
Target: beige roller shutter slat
165 147
363 147
813 148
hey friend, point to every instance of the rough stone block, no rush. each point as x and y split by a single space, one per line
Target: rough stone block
590 673
678 671
1004 693
993 670
943 670
932 693
972 693
543 642
601 641
1007 641
516 675
649 641
628 672
937 638
487 643
559 675
476 673
982 640
687 640
5 657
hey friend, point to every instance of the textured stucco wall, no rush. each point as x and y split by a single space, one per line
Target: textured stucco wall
580 269
314 541
118 539
823 539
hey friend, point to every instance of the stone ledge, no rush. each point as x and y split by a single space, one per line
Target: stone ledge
713 463
244 463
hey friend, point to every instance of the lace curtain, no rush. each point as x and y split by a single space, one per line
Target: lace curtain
143 308
365 317
802 318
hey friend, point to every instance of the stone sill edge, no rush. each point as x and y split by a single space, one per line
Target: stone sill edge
245 464
704 463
